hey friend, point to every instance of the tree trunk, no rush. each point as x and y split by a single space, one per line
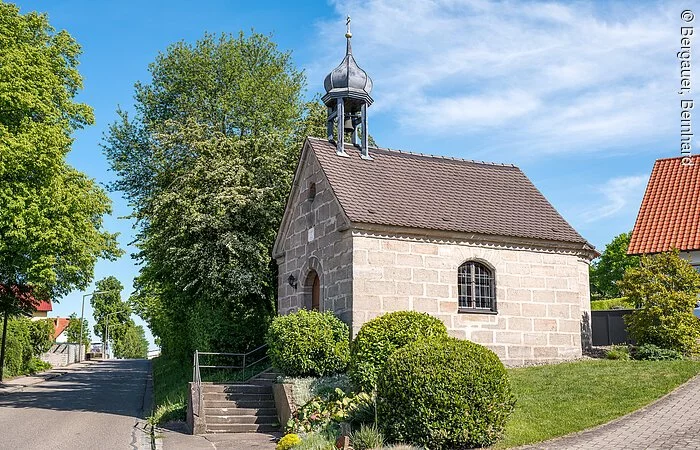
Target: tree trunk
2 347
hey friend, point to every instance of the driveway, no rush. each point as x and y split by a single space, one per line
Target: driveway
670 423
100 405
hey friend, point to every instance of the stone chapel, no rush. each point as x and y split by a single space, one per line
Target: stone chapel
371 230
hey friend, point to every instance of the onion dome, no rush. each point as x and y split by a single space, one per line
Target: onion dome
348 79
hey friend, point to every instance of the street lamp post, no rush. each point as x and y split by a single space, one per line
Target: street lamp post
106 343
81 349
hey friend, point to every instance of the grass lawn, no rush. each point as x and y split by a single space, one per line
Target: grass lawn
170 378
563 398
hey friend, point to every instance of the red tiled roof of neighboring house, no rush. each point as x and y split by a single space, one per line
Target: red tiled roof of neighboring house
44 305
670 213
60 324
406 189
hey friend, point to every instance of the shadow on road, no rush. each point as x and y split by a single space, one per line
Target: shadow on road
115 387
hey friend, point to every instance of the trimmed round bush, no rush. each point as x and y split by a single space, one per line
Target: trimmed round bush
382 336
308 343
444 394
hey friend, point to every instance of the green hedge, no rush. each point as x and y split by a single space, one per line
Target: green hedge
26 341
444 394
18 349
379 338
611 303
308 343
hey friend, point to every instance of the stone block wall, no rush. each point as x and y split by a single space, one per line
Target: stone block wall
541 295
316 239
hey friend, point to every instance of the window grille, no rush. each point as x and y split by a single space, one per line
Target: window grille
476 285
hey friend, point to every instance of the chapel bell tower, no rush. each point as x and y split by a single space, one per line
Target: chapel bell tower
347 98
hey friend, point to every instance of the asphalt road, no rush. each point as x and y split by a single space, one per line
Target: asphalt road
100 406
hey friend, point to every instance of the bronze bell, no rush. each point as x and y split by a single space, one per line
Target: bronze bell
348 125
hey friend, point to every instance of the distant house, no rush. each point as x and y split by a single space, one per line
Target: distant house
42 311
368 231
60 325
669 216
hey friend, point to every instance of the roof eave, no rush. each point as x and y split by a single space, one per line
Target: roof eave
583 249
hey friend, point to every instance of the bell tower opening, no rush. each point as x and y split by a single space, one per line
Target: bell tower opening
347 98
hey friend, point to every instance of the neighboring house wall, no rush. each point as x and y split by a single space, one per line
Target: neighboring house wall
541 296
62 338
316 239
38 315
693 257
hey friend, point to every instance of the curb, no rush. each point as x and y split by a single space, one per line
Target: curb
44 376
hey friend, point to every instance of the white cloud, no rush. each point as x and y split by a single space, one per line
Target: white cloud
618 195
558 77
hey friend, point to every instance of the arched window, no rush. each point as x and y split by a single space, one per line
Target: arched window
477 288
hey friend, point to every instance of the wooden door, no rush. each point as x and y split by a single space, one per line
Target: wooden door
316 293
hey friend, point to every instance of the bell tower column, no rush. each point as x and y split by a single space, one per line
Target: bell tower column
340 140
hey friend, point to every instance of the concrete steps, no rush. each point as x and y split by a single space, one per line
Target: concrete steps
235 388
221 396
242 428
241 408
242 419
232 412
231 404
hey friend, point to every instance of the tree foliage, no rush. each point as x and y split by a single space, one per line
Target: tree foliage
607 270
133 344
50 214
41 335
73 331
665 289
206 164
109 310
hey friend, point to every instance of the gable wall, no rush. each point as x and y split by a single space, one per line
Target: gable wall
329 253
540 296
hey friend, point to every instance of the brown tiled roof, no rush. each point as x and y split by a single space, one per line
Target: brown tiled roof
670 213
422 191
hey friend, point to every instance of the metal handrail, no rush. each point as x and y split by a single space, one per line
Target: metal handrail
196 366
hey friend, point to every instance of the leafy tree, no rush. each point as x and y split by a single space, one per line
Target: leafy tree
51 230
133 345
665 288
206 164
41 335
109 311
607 270
73 331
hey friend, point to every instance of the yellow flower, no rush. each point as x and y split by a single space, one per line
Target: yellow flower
288 442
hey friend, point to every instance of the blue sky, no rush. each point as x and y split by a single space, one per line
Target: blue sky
580 95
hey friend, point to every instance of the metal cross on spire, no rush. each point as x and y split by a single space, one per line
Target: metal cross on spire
348 34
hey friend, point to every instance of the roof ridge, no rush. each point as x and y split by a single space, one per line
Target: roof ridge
427 155
678 157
